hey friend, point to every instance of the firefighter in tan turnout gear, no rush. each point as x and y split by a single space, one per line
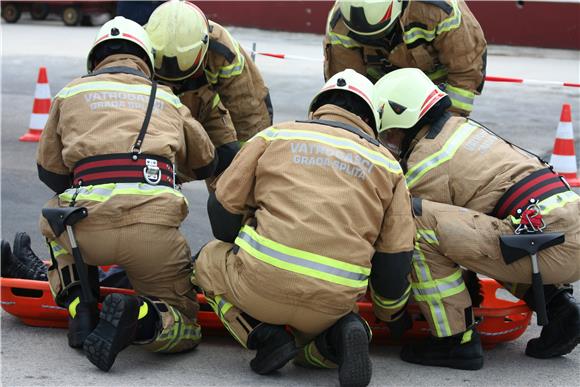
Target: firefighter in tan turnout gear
307 213
441 38
471 189
216 79
113 143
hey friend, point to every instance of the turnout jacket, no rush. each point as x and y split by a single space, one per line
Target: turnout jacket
455 161
103 114
321 206
441 38
228 96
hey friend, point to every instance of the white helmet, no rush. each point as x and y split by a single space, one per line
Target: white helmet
179 32
121 29
404 97
351 82
370 17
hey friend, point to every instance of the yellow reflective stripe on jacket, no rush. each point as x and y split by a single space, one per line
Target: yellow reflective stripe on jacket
374 157
439 288
460 98
230 70
553 202
57 250
450 23
104 87
301 262
385 303
342 40
103 192
438 74
445 154
428 235
215 101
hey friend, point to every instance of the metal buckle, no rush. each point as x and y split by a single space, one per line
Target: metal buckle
151 172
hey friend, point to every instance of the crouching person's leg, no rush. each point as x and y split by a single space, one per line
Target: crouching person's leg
344 345
274 345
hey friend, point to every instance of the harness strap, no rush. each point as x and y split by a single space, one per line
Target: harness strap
137 147
348 128
120 168
539 185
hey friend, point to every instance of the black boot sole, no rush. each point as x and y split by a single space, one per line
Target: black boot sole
560 350
456 363
277 359
356 367
115 331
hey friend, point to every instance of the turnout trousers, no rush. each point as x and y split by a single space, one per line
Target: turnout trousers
157 260
238 304
449 237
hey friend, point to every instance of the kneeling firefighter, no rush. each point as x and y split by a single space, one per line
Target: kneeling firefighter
472 191
114 143
306 214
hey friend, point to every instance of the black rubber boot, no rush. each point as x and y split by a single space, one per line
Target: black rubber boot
275 347
347 344
460 351
81 326
23 251
562 334
115 331
12 267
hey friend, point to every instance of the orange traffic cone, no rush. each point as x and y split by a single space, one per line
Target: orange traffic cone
40 108
564 157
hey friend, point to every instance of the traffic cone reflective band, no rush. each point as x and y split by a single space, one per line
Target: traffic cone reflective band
564 157
40 108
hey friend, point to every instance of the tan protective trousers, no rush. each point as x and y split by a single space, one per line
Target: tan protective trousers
216 272
157 261
450 236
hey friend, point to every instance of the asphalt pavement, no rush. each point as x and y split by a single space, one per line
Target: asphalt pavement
527 115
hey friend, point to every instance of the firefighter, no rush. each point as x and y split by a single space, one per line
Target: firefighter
113 143
215 78
308 213
441 38
470 187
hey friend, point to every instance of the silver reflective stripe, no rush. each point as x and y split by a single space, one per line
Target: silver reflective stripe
440 288
459 97
343 143
300 261
446 152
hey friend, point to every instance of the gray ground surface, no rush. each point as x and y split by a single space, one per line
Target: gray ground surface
527 115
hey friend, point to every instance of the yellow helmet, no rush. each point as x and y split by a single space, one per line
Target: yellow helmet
179 32
404 97
120 30
370 17
351 82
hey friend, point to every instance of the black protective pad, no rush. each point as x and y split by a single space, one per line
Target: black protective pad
515 247
59 218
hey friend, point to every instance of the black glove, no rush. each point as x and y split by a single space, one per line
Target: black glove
399 326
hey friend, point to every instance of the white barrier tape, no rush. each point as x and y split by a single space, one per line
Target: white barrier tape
489 78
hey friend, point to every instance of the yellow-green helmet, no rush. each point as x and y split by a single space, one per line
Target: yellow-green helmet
404 97
179 32
351 82
121 29
370 17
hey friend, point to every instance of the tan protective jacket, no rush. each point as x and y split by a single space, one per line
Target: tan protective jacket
442 38
319 201
465 165
230 82
103 114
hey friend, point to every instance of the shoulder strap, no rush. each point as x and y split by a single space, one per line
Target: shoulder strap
436 127
117 70
137 146
346 127
440 4
221 49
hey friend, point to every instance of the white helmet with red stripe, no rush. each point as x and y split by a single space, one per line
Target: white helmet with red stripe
370 17
353 83
179 32
404 97
121 29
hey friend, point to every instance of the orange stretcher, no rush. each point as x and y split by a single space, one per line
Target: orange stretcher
501 320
